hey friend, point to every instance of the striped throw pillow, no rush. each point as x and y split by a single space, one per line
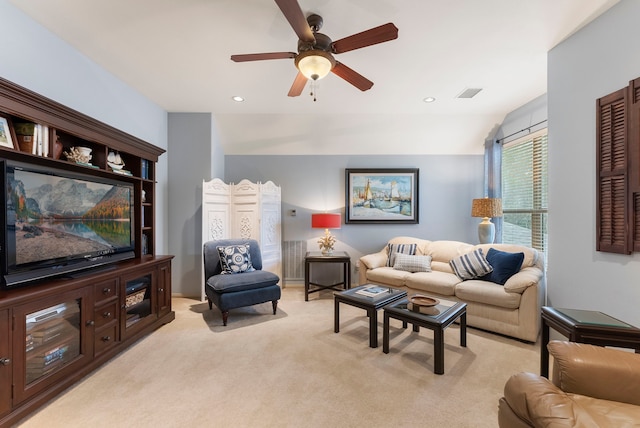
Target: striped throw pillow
471 265
399 248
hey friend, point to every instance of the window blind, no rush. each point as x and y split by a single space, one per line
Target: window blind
525 191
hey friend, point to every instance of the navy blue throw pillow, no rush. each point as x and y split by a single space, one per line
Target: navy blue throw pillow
504 265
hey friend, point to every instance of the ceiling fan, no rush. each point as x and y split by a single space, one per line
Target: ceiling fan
314 58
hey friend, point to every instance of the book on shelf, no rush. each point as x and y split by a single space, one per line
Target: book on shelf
145 169
373 291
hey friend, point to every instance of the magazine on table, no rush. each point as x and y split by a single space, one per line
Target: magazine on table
373 291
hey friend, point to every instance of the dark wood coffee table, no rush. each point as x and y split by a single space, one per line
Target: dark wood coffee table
370 304
441 317
592 327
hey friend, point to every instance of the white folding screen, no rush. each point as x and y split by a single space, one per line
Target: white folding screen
245 210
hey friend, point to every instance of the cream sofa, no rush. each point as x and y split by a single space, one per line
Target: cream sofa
512 309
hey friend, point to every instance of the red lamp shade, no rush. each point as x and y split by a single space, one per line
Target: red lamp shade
325 221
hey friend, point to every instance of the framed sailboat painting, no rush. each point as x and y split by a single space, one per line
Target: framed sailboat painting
382 195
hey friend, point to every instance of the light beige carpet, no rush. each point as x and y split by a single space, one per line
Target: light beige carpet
291 370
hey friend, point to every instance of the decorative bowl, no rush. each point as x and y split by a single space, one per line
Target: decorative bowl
420 300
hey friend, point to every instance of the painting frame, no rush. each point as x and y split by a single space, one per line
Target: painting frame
382 196
7 134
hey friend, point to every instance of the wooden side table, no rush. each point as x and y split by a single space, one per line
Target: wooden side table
318 257
592 327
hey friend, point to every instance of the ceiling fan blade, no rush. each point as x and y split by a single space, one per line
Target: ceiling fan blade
353 77
373 36
262 56
292 11
298 85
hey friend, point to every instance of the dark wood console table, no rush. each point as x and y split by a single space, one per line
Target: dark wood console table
318 257
592 327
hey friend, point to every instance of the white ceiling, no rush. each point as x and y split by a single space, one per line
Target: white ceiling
176 53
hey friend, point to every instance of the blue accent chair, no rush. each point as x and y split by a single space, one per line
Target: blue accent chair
235 290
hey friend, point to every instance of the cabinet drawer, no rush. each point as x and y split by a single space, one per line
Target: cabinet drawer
105 314
105 339
105 290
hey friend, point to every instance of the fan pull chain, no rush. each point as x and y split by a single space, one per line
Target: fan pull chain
314 90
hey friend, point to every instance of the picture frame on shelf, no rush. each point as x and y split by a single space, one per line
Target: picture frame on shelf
7 134
381 195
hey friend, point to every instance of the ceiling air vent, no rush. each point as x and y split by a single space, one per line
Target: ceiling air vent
469 93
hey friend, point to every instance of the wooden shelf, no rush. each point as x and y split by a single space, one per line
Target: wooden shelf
73 129
104 326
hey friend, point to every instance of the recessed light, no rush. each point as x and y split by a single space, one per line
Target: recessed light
237 98
429 100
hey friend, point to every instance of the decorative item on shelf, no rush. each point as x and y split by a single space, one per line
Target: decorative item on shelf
25 132
80 155
116 163
326 221
486 208
57 148
33 138
7 135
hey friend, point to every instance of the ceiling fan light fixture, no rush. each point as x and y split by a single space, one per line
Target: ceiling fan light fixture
315 64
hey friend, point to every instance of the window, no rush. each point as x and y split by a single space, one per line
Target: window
524 191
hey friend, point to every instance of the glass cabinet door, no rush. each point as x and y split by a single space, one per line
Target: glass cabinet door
139 307
54 340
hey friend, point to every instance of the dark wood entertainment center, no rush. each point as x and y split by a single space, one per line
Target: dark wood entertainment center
56 331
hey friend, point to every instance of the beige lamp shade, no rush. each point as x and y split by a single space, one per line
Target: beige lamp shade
486 207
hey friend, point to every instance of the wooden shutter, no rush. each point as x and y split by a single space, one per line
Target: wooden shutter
634 161
612 232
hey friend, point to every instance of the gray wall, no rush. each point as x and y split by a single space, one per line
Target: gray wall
531 116
592 63
37 59
195 156
317 184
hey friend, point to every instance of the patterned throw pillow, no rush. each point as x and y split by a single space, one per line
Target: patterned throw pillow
399 248
412 263
235 259
471 265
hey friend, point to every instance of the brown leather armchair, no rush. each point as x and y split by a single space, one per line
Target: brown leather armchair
592 387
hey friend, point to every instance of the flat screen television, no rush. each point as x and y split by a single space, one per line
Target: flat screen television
57 222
